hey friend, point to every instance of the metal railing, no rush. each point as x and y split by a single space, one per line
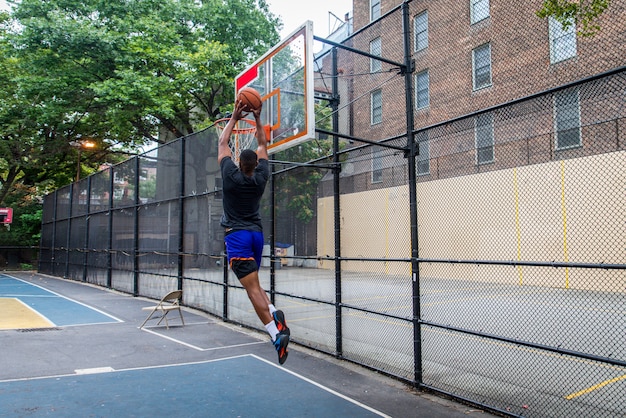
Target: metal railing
475 249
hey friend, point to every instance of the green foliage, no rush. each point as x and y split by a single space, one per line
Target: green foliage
27 211
582 13
119 73
297 190
147 187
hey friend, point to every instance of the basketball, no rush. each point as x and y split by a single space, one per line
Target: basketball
250 98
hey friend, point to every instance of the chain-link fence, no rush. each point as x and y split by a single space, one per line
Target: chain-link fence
457 224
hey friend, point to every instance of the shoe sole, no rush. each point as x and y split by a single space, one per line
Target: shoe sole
284 342
281 324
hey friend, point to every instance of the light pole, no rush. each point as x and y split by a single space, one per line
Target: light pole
80 145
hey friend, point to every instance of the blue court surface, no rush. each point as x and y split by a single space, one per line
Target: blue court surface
244 386
109 367
59 310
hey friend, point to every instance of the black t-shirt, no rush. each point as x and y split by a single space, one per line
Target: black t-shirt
242 195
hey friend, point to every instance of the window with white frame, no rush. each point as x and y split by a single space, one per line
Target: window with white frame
420 27
483 134
376 103
481 66
562 41
423 159
422 90
479 10
377 164
374 9
567 119
376 49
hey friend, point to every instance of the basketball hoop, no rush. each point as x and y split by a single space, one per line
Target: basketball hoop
242 136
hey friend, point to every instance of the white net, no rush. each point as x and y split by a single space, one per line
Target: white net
242 136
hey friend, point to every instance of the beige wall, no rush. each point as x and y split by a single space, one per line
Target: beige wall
573 210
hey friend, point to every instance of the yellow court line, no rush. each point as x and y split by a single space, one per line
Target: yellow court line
564 215
595 387
517 227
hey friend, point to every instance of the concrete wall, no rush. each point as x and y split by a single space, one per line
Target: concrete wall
562 211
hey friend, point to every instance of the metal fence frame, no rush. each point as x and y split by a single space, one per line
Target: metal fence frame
81 241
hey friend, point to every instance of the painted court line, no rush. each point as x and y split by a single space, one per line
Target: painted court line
594 387
94 370
107 369
123 390
177 341
314 383
60 296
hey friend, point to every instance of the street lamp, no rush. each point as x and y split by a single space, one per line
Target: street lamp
80 145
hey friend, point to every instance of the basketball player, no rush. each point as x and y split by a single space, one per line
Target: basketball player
243 187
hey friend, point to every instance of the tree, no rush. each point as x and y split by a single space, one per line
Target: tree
298 190
582 13
130 68
116 73
26 227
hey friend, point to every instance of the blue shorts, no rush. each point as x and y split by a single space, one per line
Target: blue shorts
242 245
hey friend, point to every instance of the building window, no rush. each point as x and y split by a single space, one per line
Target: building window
422 90
376 101
374 9
567 119
423 159
420 25
377 164
481 66
479 10
562 41
376 49
483 133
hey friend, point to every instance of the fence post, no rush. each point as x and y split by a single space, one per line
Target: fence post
337 208
181 216
272 237
136 240
68 239
87 217
110 246
54 233
411 159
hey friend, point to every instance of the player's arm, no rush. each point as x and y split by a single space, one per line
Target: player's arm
223 149
261 139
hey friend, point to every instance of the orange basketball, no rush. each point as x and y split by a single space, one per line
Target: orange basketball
250 98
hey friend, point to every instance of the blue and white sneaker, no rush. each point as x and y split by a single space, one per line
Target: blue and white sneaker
281 342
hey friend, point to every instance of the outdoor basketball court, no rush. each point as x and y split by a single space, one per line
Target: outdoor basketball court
231 387
73 349
81 353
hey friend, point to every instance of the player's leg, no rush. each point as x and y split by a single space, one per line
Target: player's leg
256 294
278 316
244 250
262 307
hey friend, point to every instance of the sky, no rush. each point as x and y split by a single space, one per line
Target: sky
296 12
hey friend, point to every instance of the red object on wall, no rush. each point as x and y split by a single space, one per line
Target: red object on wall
6 215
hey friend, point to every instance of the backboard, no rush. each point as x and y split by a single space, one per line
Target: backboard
284 77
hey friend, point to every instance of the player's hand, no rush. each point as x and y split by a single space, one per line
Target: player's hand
240 110
257 113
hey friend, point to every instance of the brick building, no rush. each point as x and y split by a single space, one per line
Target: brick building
520 127
470 56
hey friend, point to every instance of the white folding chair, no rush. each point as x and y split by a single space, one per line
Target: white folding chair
170 302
